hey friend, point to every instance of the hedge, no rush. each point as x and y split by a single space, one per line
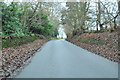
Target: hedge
12 41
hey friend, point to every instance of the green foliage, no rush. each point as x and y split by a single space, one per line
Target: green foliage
13 41
11 18
19 21
33 35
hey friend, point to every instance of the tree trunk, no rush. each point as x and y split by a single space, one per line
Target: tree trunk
119 6
101 27
99 16
97 19
115 24
97 25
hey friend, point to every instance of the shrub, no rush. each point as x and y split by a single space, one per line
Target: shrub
12 41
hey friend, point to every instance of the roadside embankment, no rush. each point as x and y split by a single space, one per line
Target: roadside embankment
103 44
17 57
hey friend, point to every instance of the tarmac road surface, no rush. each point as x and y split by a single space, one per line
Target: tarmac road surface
62 59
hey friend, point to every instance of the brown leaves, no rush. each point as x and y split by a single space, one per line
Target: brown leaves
108 50
15 57
104 51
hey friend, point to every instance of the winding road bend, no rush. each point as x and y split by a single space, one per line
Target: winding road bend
62 59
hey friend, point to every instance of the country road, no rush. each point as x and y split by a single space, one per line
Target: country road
62 59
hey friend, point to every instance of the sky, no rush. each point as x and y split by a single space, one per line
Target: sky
63 4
